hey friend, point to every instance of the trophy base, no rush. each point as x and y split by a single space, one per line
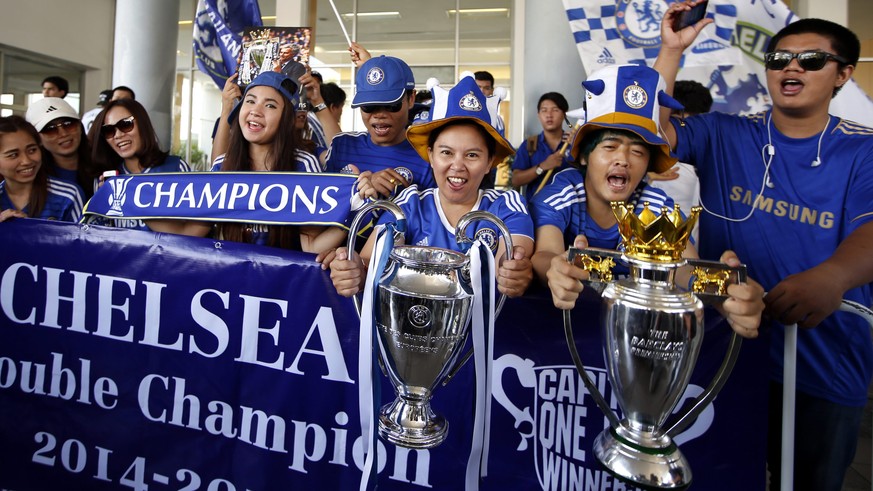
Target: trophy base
640 458
412 424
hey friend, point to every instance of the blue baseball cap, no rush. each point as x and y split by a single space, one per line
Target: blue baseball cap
382 80
466 102
276 80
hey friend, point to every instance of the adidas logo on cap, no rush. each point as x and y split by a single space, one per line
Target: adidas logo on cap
50 109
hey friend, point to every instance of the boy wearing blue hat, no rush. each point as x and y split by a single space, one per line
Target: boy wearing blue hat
462 148
385 94
617 145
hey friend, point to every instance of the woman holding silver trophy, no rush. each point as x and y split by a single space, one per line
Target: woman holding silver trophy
462 148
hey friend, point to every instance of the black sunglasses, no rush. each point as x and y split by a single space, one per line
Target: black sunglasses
124 125
393 108
54 128
808 60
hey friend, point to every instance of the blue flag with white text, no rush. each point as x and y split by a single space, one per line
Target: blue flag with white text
218 27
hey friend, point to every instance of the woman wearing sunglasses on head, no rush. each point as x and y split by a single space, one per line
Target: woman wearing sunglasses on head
26 189
123 140
790 190
65 147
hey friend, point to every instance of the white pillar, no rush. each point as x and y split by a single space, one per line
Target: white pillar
551 61
144 57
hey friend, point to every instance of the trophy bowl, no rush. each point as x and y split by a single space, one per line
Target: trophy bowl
422 324
652 333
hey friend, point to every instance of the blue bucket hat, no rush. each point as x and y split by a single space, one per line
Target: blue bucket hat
382 80
627 97
465 101
276 80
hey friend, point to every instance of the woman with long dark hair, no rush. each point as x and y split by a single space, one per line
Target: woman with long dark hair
124 141
27 191
65 148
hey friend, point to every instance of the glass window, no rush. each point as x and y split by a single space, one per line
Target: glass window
23 73
430 36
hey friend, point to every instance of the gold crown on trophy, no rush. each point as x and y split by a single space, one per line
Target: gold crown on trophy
258 34
652 237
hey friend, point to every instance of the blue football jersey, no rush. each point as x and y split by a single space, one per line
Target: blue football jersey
798 221
359 150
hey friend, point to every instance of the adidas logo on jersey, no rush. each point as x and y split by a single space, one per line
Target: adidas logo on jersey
606 57
422 242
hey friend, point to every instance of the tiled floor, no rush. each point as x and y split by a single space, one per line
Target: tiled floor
858 476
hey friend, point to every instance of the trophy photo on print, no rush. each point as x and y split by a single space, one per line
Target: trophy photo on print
422 305
652 332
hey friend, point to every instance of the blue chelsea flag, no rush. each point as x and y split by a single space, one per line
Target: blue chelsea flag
218 30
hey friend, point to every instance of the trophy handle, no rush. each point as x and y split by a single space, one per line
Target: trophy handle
580 367
703 400
386 205
462 238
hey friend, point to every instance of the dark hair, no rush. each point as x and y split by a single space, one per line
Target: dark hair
484 76
104 158
283 154
591 140
83 161
59 82
39 188
124 87
693 95
843 41
105 96
332 94
490 143
555 97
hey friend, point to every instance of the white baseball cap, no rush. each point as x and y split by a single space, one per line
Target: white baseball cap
45 110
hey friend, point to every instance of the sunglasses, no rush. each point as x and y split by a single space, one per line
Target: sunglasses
125 126
808 60
54 128
393 108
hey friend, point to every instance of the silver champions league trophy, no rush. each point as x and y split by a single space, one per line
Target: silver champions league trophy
422 312
652 332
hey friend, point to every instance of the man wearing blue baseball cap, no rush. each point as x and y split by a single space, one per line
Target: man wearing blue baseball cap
386 92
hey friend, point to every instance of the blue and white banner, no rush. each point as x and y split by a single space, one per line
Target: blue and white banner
135 360
218 27
623 31
288 198
609 32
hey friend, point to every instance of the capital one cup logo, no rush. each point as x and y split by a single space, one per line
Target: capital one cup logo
557 420
118 196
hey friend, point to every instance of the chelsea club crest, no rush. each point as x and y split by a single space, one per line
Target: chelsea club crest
375 76
635 96
488 237
639 21
470 103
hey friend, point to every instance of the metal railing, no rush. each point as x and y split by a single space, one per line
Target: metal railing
789 380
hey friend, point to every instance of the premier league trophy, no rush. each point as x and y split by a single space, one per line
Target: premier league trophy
421 312
652 334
